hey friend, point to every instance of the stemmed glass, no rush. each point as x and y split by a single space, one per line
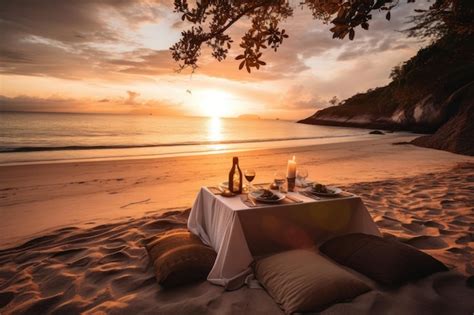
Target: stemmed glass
301 175
249 176
280 179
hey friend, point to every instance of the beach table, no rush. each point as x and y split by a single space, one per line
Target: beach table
238 232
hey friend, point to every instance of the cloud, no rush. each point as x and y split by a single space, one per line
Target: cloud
101 42
98 39
383 35
300 97
131 97
58 39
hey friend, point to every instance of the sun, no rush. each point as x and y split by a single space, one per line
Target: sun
216 103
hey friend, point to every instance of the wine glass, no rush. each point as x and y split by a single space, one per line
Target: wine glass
301 175
249 176
280 179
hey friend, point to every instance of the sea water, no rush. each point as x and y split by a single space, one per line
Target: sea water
58 137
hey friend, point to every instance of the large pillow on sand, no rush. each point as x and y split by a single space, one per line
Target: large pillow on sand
302 281
179 257
388 262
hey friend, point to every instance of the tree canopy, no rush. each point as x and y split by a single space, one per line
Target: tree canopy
212 19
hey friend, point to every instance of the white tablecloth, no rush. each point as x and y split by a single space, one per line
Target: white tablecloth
238 233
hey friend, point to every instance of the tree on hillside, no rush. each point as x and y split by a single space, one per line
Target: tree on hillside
212 19
333 101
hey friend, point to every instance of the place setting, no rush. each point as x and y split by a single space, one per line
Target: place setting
318 191
242 216
286 188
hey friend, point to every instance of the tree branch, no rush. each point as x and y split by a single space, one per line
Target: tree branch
235 19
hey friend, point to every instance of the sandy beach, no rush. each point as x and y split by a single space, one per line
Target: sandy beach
84 224
37 198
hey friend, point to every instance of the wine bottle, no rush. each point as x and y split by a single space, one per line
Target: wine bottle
235 177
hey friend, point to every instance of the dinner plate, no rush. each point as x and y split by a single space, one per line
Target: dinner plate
257 196
225 185
334 191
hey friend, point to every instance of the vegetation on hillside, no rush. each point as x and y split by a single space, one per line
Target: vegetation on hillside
426 82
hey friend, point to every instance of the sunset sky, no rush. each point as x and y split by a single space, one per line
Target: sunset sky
112 56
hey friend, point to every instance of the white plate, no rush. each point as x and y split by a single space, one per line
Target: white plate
257 193
335 191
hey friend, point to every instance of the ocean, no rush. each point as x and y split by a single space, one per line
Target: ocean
58 137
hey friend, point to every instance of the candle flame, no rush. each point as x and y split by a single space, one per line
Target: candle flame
294 158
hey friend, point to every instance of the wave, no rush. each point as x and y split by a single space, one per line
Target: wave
137 146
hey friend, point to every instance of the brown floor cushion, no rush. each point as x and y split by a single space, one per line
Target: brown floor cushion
302 281
179 257
388 262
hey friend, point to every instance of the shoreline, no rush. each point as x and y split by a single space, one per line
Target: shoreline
38 198
132 153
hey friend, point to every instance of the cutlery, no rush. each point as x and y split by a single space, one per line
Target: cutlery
309 195
294 199
251 201
261 185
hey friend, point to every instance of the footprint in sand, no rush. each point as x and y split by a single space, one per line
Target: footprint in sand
427 242
66 255
465 239
115 257
5 298
458 250
413 227
435 224
42 306
82 262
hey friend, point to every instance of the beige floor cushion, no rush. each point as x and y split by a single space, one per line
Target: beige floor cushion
302 281
179 257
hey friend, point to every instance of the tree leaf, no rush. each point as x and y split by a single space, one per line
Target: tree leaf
388 16
239 57
365 25
241 64
351 34
378 4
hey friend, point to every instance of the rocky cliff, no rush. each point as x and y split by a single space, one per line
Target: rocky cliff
430 93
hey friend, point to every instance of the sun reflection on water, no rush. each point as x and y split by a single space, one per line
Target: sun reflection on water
214 132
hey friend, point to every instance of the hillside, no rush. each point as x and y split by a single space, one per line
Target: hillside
432 90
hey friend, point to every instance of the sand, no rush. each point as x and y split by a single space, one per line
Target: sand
90 258
37 198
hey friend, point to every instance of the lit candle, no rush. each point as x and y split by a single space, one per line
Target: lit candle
291 168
